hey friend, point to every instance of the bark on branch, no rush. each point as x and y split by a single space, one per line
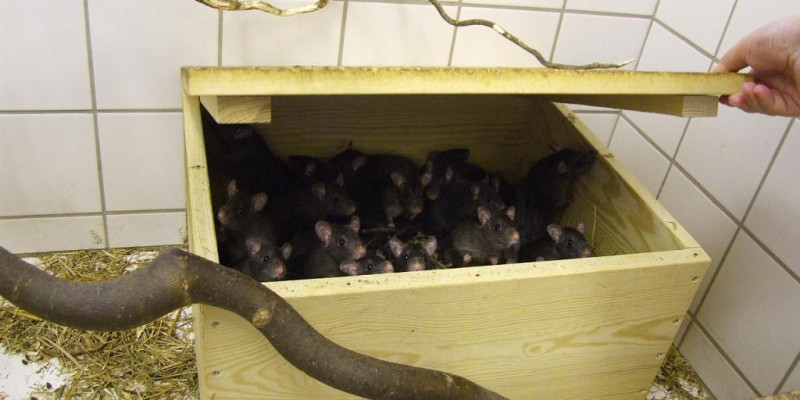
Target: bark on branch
177 279
239 5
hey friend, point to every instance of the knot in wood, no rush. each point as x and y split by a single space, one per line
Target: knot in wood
261 318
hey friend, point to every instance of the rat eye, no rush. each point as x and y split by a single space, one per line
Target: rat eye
405 257
336 200
408 195
497 227
370 267
341 242
240 211
569 242
424 256
265 259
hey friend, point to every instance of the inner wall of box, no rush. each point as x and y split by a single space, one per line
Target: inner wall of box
505 133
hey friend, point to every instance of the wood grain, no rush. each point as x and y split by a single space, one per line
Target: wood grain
680 105
238 109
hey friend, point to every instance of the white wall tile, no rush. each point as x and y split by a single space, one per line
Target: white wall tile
750 15
793 383
48 164
142 155
45 63
601 124
257 38
586 39
729 154
664 51
36 235
720 378
643 7
482 46
775 217
702 22
751 311
664 130
707 224
157 229
520 3
385 34
639 156
139 47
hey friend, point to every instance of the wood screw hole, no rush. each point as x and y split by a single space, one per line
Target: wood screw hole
676 321
214 324
215 373
659 355
695 278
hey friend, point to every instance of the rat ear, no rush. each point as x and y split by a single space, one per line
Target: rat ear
448 174
430 245
425 179
286 251
580 227
349 267
311 166
561 168
511 212
318 189
253 246
359 162
232 188
324 231
484 215
396 246
259 201
475 189
379 253
555 147
339 180
555 232
355 223
398 180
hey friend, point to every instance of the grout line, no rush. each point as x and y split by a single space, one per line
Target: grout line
726 357
92 111
342 33
724 31
219 38
684 39
94 214
791 368
558 31
646 37
674 155
455 33
98 154
23 112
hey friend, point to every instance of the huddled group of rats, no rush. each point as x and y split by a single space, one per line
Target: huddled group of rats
357 213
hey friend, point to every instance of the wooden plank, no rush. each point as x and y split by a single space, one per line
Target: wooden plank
238 109
213 81
576 329
682 106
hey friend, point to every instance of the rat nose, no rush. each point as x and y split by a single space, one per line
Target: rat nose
514 237
360 251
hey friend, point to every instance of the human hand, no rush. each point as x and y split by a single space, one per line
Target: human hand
773 53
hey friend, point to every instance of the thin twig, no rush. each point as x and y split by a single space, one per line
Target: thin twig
237 5
513 39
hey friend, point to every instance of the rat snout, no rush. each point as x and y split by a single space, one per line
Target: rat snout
432 192
386 267
222 216
586 252
416 265
351 210
513 237
279 272
359 251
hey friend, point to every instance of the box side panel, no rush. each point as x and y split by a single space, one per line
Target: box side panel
574 329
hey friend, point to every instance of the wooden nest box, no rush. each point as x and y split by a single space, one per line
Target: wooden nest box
575 329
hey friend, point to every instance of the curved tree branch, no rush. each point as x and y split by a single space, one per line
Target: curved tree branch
514 39
177 279
238 5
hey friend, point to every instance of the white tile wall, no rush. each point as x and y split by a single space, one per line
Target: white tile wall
142 155
711 227
53 197
382 34
252 38
138 48
751 311
664 51
153 229
720 378
793 383
729 154
33 235
45 66
584 39
639 156
642 7
775 217
704 24
48 165
482 46
749 15
601 124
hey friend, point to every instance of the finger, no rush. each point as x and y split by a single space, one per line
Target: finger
735 58
737 100
750 98
768 102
